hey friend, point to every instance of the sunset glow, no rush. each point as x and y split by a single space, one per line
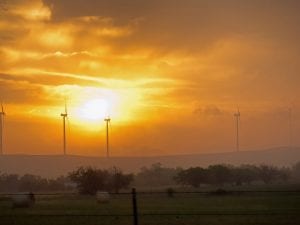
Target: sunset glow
94 109
169 75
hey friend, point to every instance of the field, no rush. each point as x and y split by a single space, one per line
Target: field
242 208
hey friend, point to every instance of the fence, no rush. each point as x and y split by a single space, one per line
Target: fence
218 207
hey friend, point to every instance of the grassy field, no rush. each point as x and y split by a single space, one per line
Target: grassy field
159 209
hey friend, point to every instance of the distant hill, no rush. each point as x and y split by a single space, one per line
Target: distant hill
54 165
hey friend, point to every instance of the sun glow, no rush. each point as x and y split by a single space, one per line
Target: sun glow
94 109
87 106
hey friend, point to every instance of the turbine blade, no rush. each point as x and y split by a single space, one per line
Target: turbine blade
66 111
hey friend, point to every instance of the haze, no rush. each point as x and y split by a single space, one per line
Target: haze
169 73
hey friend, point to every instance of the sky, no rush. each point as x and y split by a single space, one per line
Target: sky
169 73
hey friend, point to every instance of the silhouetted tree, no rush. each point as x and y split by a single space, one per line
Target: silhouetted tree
245 174
284 174
192 176
32 183
9 182
219 174
28 182
118 180
268 174
295 173
58 184
156 175
90 180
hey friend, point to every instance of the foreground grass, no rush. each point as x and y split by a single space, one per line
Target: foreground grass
155 209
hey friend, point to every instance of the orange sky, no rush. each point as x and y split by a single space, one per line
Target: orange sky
169 73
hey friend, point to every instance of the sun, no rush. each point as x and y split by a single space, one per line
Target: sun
94 109
88 107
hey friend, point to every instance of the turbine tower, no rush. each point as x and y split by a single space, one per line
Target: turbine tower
2 114
290 128
107 121
237 116
64 117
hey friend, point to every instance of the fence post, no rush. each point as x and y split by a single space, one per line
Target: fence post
134 205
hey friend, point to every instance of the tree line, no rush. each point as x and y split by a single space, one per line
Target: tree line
88 180
219 175
28 182
216 175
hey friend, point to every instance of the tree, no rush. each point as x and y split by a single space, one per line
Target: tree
245 174
156 175
219 174
118 180
296 172
9 182
90 180
192 176
58 184
267 173
284 174
30 182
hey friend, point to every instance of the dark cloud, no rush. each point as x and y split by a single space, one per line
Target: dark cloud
191 23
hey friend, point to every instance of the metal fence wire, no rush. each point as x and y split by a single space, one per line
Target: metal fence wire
170 207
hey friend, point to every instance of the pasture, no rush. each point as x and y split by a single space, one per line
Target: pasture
242 208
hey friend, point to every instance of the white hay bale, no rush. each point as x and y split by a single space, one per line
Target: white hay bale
102 197
23 200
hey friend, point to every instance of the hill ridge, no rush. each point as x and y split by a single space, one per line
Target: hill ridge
56 165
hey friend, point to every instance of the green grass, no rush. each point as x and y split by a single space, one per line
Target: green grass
158 209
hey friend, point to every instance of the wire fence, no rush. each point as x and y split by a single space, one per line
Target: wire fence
156 207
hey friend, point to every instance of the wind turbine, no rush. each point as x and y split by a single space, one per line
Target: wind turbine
64 117
107 121
2 114
290 128
237 116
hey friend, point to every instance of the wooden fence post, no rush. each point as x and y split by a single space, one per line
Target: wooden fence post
134 205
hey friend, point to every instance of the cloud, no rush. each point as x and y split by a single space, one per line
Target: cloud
30 10
52 79
167 61
220 51
20 92
209 110
191 23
